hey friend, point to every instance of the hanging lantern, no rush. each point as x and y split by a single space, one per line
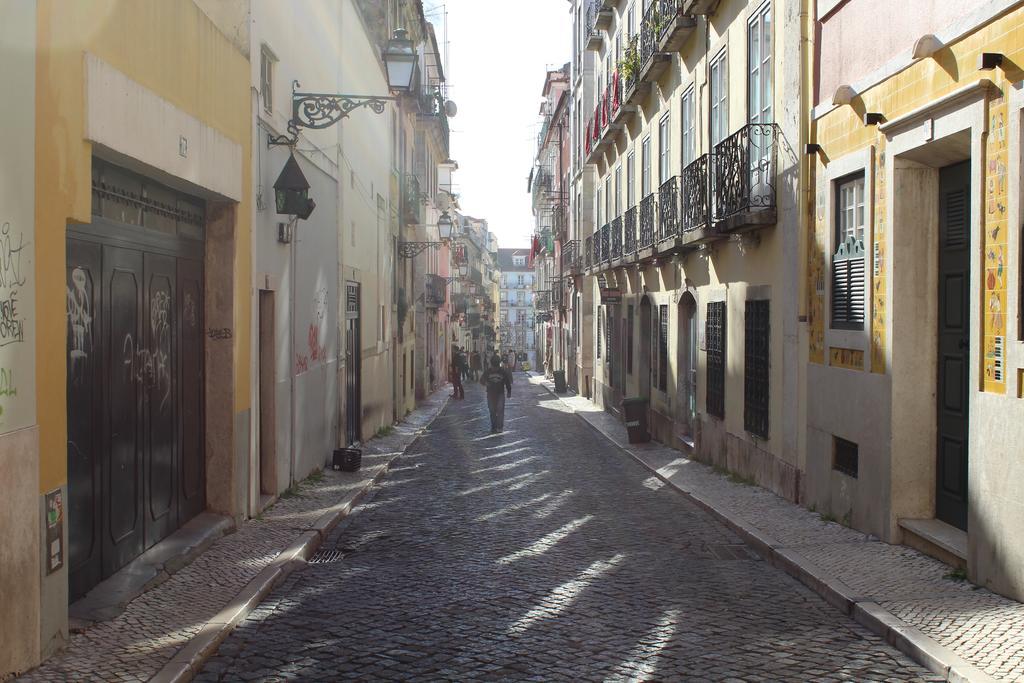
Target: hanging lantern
291 191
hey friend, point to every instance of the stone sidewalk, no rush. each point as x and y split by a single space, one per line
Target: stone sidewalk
953 628
160 628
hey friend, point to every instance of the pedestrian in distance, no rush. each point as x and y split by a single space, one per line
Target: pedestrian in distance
498 381
475 366
455 377
463 363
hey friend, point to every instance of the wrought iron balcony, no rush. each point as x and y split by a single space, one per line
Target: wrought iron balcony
597 19
434 291
606 242
629 232
694 195
569 253
412 200
668 209
674 24
647 220
652 60
588 252
744 169
616 239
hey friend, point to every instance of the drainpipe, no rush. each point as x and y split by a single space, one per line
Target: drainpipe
294 373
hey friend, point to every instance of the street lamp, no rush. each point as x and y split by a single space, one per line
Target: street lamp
323 110
291 191
414 249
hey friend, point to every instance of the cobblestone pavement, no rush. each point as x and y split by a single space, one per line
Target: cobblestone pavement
153 627
541 554
985 629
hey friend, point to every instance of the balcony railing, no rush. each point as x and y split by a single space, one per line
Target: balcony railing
693 189
412 200
744 170
647 210
588 252
649 33
434 292
616 238
569 250
629 232
606 241
667 11
631 58
616 94
668 209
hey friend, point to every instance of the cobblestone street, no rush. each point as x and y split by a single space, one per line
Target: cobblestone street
542 553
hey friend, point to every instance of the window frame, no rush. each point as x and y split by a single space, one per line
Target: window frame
719 69
268 61
839 239
664 148
688 126
757 21
716 360
630 180
645 170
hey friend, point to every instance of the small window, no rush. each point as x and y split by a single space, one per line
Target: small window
267 61
645 169
714 333
848 275
719 97
689 134
663 348
845 456
664 148
755 368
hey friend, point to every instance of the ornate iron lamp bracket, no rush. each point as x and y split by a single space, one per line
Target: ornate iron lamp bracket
323 110
414 249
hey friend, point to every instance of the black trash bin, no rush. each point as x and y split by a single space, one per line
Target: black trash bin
560 387
635 412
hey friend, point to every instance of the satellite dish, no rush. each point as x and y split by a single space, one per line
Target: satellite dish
450 109
443 201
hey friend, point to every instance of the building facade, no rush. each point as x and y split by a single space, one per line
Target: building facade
688 140
915 359
517 316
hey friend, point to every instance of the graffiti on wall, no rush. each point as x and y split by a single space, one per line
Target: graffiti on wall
315 352
995 245
12 278
79 310
150 364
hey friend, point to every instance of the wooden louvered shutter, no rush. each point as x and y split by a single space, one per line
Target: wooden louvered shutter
848 285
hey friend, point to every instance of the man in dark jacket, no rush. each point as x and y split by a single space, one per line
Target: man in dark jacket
498 381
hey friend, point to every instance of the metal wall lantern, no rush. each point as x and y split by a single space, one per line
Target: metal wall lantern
323 110
414 249
291 191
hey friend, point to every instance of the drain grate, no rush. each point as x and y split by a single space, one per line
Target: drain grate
326 556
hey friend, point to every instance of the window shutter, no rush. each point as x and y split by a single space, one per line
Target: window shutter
848 285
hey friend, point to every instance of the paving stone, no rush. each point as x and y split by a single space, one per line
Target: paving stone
453 570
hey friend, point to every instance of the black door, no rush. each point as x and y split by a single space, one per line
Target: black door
353 365
135 396
954 347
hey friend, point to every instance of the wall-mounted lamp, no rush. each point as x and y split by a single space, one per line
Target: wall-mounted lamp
414 249
873 118
291 191
989 60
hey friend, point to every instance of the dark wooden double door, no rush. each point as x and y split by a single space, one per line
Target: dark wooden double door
135 395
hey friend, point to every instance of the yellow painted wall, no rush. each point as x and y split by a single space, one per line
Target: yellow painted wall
842 131
171 48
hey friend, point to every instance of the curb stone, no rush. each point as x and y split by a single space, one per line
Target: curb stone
190 659
909 640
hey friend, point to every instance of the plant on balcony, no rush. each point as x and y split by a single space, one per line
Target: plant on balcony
630 64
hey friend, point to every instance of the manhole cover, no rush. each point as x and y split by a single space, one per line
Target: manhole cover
326 556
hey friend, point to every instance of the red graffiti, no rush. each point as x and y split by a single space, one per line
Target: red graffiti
316 352
301 364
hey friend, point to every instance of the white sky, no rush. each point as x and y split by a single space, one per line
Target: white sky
499 53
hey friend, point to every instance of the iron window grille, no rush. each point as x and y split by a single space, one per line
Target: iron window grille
755 368
715 338
663 348
600 315
629 339
845 456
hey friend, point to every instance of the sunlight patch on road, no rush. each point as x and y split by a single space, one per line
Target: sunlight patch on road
506 445
563 597
506 453
669 470
532 480
546 543
495 484
653 483
556 406
513 508
553 506
642 663
491 436
507 465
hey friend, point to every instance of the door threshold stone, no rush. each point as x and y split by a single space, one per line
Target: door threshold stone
108 598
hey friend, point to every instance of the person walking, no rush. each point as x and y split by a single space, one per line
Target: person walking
463 363
510 360
498 381
474 365
455 377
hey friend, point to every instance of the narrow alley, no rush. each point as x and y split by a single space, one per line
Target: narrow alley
542 553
